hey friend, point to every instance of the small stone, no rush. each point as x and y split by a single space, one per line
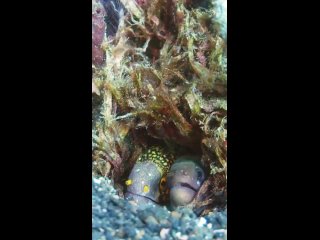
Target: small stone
220 234
139 234
165 222
121 233
175 214
202 221
151 220
130 231
116 197
222 219
193 238
188 230
175 223
164 232
97 235
97 181
181 237
184 237
133 203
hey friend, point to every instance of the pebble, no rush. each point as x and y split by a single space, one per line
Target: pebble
130 231
165 222
139 234
220 234
202 221
152 223
97 235
164 233
175 214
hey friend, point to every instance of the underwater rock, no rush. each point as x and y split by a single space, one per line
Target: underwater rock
184 180
114 11
98 31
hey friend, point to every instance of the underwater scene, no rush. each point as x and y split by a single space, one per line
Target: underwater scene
159 119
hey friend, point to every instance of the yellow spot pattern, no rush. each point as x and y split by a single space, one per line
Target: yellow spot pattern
128 182
146 189
162 159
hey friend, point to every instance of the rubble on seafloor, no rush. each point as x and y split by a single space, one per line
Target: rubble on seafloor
160 78
115 218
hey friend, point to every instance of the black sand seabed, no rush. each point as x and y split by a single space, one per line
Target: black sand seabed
116 218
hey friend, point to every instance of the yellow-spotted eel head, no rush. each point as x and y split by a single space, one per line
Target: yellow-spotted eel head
147 180
184 180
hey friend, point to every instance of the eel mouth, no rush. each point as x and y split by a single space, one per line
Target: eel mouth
141 196
181 194
185 185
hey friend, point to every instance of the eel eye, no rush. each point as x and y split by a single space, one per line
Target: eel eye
199 174
163 183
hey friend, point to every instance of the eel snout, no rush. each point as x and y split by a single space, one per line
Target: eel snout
184 180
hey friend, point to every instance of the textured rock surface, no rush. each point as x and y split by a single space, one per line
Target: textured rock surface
116 218
98 31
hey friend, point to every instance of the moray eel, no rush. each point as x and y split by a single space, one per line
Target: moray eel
184 180
147 180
